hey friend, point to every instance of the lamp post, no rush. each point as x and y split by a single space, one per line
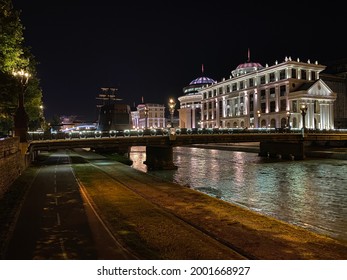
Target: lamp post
258 114
172 105
303 110
21 118
288 119
146 116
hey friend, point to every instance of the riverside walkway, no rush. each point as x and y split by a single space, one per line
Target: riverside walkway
175 222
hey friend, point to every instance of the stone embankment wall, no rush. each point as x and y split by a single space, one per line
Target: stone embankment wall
12 162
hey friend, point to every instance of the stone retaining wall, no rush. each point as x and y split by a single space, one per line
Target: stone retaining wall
11 162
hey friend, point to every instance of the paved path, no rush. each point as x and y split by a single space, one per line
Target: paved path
56 222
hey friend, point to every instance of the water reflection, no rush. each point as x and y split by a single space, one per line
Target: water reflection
310 193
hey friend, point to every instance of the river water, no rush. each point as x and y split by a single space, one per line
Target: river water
311 193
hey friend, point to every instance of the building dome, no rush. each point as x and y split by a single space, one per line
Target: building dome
249 65
202 81
197 84
246 67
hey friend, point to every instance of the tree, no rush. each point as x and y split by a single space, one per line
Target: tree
14 55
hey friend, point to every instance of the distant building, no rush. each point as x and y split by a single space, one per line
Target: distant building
112 115
335 76
270 96
149 115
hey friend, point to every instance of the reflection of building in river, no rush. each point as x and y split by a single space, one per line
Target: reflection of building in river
257 96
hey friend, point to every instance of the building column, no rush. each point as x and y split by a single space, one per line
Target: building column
193 116
331 116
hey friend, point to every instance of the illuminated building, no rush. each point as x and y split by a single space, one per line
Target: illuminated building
149 115
190 103
270 96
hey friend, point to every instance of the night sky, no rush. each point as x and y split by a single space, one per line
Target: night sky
152 49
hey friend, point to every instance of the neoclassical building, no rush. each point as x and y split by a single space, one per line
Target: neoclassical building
270 96
149 115
190 102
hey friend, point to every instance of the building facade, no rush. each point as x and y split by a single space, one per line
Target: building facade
190 103
269 97
114 117
335 76
149 115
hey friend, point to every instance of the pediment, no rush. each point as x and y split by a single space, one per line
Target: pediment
319 88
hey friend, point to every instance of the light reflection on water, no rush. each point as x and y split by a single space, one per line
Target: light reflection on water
309 193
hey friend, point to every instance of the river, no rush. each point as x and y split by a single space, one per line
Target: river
311 193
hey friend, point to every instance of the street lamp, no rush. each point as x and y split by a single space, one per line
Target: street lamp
172 105
303 110
21 118
288 119
258 114
146 116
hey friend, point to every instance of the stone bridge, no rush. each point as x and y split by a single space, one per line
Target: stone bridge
159 153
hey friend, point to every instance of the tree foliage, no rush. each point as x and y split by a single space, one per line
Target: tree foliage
15 55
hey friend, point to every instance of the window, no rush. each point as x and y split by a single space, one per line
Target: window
282 74
262 80
251 82
272 77
283 105
295 106
220 108
272 106
228 88
313 75
262 94
282 90
272 92
293 73
241 99
303 74
263 107
241 85
234 87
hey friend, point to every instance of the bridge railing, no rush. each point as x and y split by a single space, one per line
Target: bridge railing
84 134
